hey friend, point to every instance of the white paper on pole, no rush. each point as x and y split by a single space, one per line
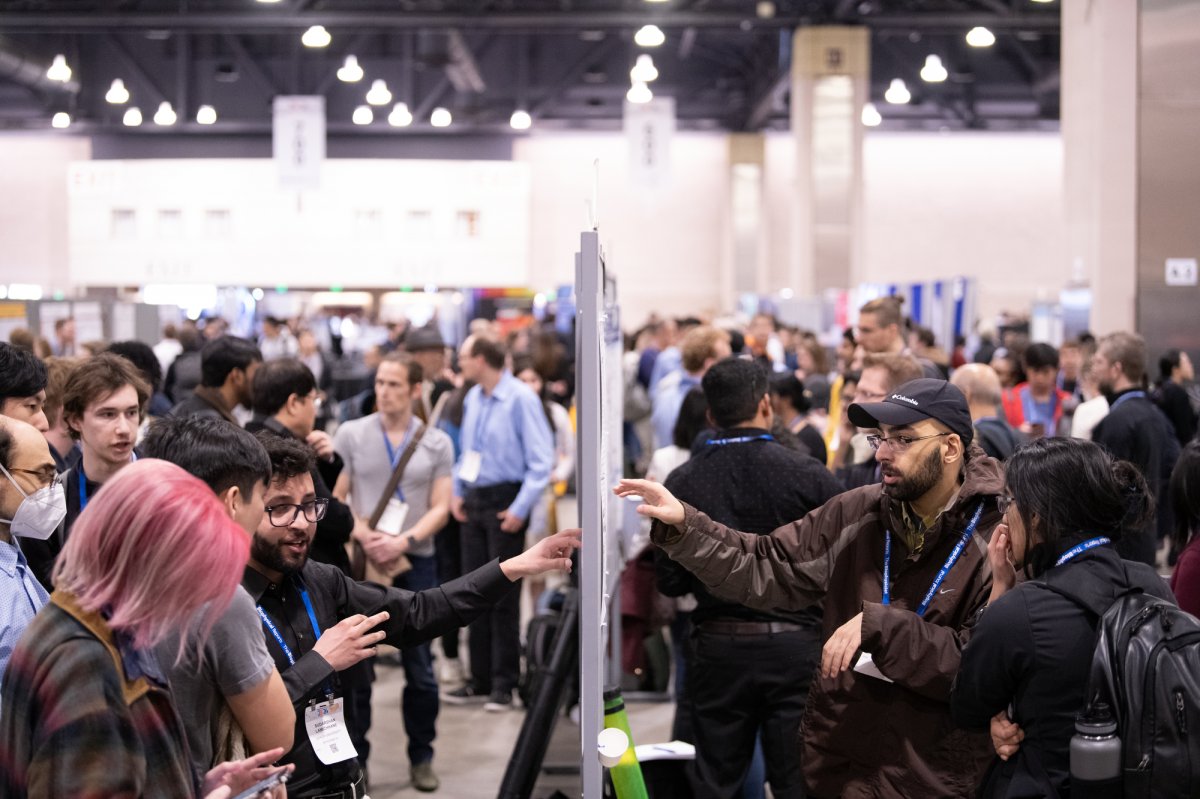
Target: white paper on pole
649 128
298 140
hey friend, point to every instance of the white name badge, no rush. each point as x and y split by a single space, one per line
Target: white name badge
468 470
392 520
327 732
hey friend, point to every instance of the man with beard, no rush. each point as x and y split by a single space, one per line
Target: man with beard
318 621
902 569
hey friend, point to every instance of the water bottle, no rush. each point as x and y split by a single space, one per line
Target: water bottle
1096 754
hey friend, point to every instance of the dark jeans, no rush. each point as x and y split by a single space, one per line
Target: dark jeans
495 637
744 687
419 702
449 567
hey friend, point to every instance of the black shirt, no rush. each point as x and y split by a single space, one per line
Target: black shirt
42 554
1175 403
415 618
755 485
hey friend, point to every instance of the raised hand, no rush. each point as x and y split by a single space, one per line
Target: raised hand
549 554
659 502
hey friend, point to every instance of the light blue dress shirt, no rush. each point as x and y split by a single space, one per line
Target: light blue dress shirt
668 361
21 597
667 402
509 429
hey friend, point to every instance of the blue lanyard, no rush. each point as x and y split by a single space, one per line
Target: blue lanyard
312 618
83 496
394 455
718 442
1029 408
941 575
1079 549
1130 395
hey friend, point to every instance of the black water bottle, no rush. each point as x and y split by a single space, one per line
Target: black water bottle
1096 754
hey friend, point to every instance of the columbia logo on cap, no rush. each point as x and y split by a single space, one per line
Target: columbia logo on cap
903 398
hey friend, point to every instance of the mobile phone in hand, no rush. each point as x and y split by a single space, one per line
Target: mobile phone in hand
278 778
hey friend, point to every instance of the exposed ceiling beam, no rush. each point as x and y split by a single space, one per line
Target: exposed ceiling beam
135 68
252 67
764 105
598 52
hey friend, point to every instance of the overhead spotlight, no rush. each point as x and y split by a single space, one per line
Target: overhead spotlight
871 116
644 70
316 36
400 117
133 117
765 9
268 1
520 120
639 93
379 94
897 93
363 115
649 36
58 69
933 71
165 115
61 120
440 118
350 71
206 114
980 37
117 94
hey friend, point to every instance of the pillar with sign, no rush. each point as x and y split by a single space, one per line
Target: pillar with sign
830 85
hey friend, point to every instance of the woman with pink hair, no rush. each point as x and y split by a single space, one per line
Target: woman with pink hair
87 711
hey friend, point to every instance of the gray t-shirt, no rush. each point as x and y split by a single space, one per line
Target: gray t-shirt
235 659
360 442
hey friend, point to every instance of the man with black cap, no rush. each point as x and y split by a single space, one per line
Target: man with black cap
902 569
428 349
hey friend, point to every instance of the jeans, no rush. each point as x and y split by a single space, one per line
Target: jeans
419 702
449 567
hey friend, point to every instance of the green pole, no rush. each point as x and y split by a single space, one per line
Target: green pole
626 774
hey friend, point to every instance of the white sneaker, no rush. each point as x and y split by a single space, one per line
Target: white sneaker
450 672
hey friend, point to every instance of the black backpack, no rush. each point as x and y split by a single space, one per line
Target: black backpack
1146 667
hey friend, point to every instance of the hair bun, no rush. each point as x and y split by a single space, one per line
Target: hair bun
1139 503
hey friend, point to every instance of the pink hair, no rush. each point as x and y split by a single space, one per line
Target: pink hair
153 547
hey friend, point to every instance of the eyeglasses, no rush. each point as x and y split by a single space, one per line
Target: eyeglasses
899 443
1004 502
41 476
284 515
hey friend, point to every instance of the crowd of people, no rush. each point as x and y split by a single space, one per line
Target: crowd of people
203 542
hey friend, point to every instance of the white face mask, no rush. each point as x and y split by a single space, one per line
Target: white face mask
40 513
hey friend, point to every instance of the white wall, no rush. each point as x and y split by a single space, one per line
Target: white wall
33 206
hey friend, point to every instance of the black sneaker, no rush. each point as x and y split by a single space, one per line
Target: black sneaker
499 701
464 695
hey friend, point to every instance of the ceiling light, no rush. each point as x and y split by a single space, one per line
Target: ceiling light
644 70
765 9
897 93
379 94
206 114
400 117
871 116
117 93
520 120
165 115
316 36
58 69
980 37
363 115
933 71
350 72
268 1
440 118
61 120
1042 1
649 36
133 117
639 93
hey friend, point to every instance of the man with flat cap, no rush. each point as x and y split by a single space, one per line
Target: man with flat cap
902 569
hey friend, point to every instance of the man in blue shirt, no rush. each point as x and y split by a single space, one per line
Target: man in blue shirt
701 348
504 468
26 468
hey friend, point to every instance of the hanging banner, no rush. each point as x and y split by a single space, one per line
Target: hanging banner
649 128
298 141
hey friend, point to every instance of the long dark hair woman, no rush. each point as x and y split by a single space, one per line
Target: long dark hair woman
1185 500
1025 669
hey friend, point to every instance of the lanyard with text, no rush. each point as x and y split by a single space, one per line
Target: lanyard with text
312 618
394 455
717 442
1129 396
83 495
941 575
1079 549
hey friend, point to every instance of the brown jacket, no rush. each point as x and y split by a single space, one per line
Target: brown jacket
861 736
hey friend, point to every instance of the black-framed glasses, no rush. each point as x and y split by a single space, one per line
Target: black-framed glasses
1004 502
284 514
899 443
51 482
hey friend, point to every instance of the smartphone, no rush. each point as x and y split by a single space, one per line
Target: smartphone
278 778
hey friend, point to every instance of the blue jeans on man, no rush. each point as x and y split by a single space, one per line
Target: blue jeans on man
419 702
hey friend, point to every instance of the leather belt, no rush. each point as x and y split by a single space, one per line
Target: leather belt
355 790
749 627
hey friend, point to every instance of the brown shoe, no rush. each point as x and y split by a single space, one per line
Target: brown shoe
423 778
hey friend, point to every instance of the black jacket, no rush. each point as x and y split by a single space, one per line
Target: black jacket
997 437
1033 649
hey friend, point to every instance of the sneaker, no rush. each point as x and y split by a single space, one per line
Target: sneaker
464 695
423 778
450 672
499 701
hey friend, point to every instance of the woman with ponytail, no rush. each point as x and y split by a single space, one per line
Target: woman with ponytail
1185 501
1025 669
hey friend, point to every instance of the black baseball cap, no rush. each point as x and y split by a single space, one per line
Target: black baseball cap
915 401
